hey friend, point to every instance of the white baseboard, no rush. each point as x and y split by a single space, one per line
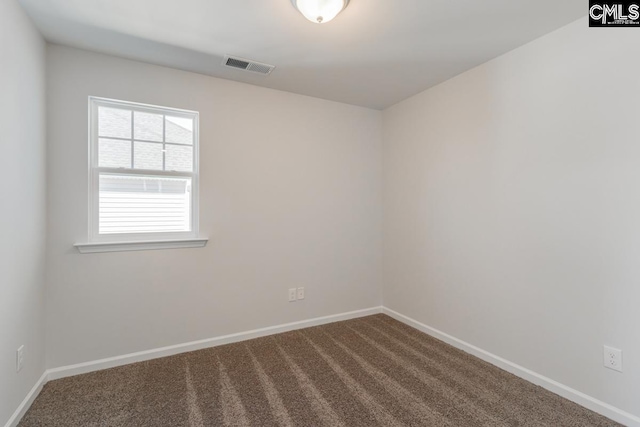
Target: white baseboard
26 403
111 362
547 383
576 396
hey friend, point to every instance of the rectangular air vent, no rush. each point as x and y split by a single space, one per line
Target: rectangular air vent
247 65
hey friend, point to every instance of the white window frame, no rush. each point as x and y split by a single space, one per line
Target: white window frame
138 241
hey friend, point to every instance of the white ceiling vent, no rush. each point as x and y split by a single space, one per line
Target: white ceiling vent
247 65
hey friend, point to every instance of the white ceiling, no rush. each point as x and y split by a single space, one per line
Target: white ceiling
375 54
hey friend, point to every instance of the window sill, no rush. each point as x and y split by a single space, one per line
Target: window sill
91 248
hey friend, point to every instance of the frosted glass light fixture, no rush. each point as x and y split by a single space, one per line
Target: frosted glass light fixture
320 11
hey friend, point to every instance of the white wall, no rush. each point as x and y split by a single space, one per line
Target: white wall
290 196
22 217
512 206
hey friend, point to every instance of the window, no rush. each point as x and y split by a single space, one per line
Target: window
143 172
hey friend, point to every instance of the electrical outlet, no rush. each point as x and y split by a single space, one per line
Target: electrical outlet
19 358
613 358
292 295
300 293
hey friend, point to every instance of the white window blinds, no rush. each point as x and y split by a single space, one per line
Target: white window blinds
144 171
134 204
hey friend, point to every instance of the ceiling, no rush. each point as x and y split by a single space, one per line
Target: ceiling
375 54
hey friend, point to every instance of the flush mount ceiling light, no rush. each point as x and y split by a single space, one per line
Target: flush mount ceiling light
320 11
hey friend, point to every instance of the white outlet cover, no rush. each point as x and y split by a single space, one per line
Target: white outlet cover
612 358
293 297
20 358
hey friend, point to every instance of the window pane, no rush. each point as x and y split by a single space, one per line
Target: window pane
179 130
134 204
114 122
147 126
178 158
114 153
147 155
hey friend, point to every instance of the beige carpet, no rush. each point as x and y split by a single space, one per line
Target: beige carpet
372 371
